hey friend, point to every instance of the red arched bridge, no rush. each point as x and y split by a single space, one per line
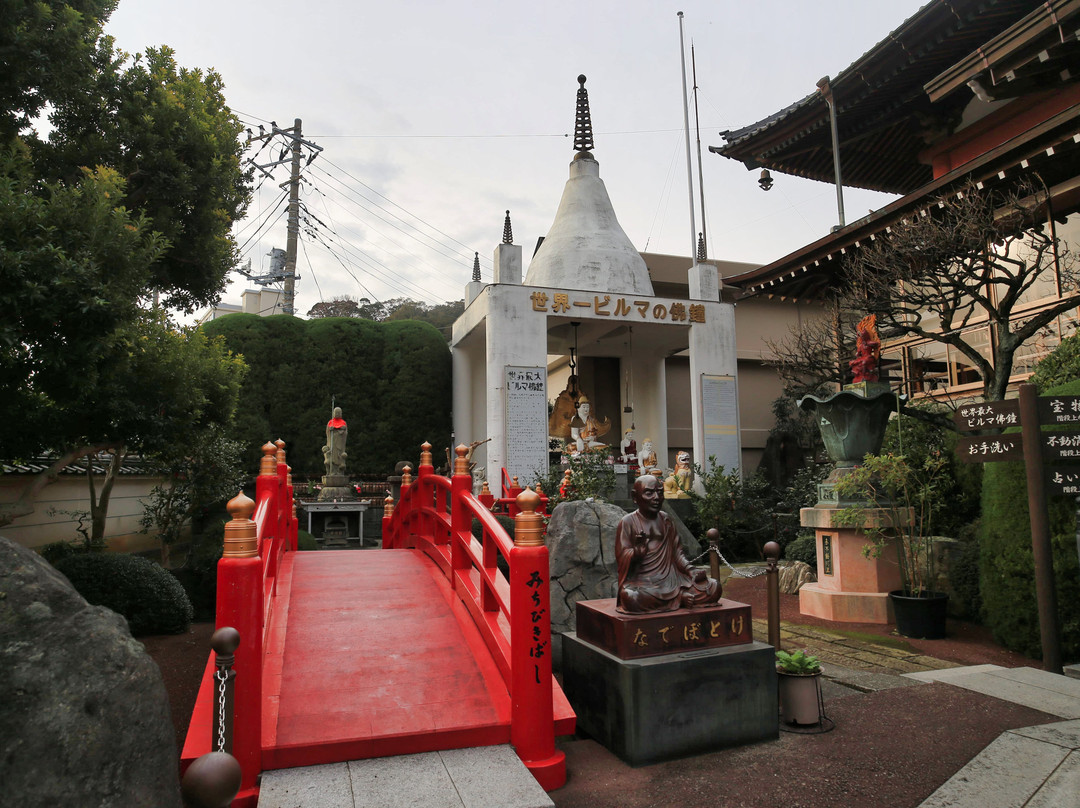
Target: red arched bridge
421 646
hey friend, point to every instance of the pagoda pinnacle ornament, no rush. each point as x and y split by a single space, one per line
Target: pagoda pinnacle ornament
508 233
583 141
476 267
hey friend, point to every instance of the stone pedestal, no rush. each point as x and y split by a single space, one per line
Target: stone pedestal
665 707
850 587
664 685
336 487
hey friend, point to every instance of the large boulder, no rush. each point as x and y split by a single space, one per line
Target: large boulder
793 575
581 544
84 717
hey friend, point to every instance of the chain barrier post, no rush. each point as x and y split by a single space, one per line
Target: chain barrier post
211 781
532 720
225 641
772 580
712 536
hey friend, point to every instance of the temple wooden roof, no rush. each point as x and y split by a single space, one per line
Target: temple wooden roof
885 116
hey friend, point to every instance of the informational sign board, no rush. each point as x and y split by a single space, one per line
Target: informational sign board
978 449
525 397
1063 480
1059 410
1061 445
988 415
720 415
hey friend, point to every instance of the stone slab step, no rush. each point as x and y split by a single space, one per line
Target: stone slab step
1038 689
480 777
1035 767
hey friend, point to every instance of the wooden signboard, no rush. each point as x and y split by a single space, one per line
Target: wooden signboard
1059 410
1063 480
989 449
988 415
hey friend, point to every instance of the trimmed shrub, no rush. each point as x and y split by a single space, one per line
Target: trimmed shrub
964 580
305 541
151 599
1006 567
804 549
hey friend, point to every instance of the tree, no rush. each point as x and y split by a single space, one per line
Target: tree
441 316
971 257
131 194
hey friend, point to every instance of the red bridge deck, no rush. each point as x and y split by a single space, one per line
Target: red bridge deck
371 654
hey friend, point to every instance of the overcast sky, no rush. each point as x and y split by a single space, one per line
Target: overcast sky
436 117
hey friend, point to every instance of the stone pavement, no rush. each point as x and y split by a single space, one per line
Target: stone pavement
482 777
1031 767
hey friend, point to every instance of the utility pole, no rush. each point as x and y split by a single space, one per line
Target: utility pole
287 273
294 221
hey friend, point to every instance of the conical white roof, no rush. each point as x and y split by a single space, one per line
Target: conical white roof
586 247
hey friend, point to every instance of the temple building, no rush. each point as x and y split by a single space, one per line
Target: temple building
981 91
636 339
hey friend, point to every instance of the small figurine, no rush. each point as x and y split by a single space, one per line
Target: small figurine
628 448
678 484
648 455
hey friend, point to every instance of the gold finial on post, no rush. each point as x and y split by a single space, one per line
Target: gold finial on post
280 444
485 491
388 507
241 536
425 454
461 461
528 524
515 482
406 477
539 490
268 464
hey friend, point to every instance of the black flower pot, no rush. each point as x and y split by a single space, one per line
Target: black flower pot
920 617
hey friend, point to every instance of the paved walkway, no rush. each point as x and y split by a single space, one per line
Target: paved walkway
1032 767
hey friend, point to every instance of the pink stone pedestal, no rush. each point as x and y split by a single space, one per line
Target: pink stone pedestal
850 587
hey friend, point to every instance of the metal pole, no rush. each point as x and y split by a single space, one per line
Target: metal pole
697 131
772 579
294 222
686 126
826 91
712 536
1040 530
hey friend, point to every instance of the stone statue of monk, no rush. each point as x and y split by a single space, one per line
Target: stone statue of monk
654 573
337 432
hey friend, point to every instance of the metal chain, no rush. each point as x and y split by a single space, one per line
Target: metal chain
737 573
223 678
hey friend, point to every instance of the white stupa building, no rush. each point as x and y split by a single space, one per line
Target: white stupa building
588 295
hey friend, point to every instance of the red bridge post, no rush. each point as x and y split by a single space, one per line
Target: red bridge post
460 518
532 723
239 604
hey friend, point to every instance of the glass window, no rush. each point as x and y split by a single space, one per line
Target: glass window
964 370
928 367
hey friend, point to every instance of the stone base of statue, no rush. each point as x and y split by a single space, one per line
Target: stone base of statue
660 686
850 588
336 487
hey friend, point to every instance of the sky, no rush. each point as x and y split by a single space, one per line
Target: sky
434 118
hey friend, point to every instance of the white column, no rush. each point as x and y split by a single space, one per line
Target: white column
712 352
517 336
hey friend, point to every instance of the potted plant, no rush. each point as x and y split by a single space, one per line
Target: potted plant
895 505
799 679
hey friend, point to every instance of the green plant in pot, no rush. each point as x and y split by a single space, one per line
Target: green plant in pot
895 504
798 675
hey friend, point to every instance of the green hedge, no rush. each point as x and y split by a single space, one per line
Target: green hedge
1006 568
151 599
392 381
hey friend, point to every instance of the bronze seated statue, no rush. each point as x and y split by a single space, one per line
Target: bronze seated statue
654 572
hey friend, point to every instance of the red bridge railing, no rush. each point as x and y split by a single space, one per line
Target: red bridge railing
246 583
502 582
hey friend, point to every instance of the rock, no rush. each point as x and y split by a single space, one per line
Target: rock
581 544
792 576
84 717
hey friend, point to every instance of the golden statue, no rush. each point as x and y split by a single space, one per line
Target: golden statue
565 410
